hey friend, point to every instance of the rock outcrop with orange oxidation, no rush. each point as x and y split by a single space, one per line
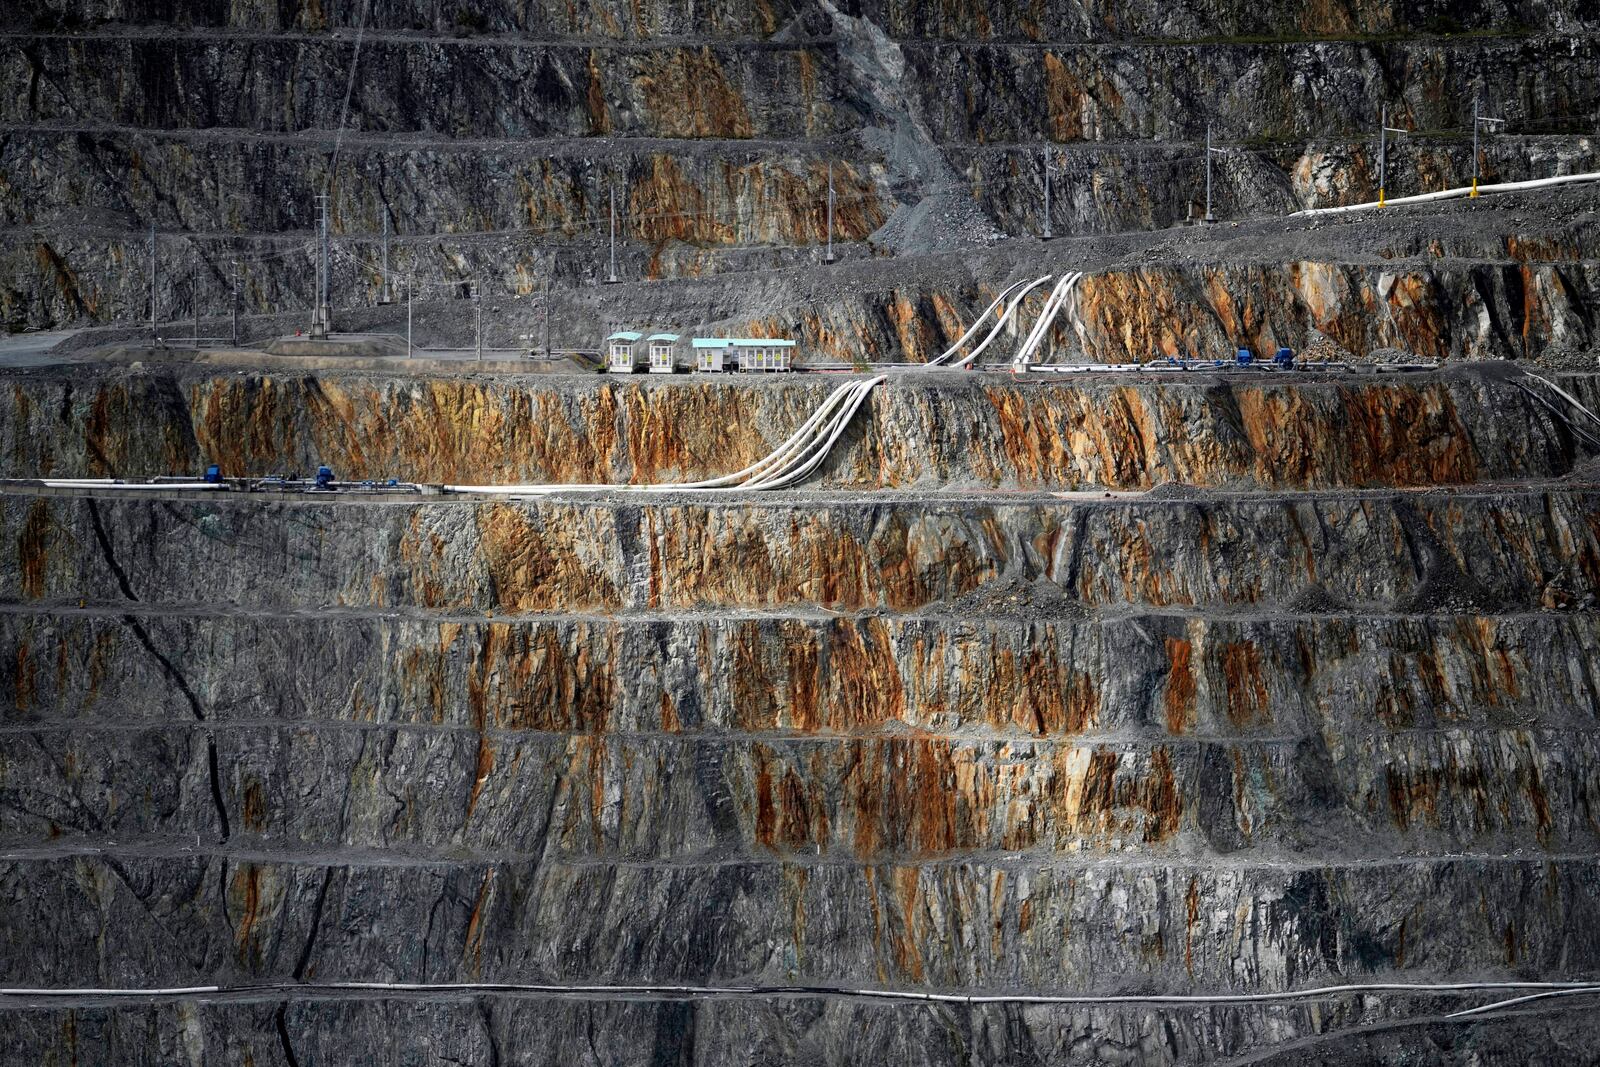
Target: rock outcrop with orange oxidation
1324 716
1310 429
1506 548
491 140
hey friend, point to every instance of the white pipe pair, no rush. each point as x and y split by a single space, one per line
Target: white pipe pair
1041 328
1017 293
977 324
1008 317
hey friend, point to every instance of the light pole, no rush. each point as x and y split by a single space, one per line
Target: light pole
411 288
477 319
829 258
385 291
1047 232
1478 119
235 303
1209 151
152 282
547 313
321 325
612 277
1384 130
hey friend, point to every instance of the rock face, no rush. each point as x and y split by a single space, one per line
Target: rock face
492 137
1324 715
1312 430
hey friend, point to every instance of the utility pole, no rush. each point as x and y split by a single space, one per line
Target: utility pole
613 276
1476 120
327 266
321 324
1383 152
1384 130
1474 144
547 313
196 298
236 303
1209 216
411 287
1047 232
477 319
152 281
829 258
385 292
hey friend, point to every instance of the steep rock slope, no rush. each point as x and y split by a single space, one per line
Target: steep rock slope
1312 429
492 137
1301 727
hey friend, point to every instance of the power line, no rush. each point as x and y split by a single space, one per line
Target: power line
349 87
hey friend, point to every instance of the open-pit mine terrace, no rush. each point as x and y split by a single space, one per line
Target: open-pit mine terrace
1197 685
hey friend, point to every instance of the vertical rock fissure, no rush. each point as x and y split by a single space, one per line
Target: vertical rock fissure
486 1013
281 1022
304 963
167 667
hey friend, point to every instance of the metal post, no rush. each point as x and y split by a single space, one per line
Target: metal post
613 275
152 281
1478 119
1209 216
385 292
477 319
411 286
316 296
195 296
327 270
1047 233
1474 144
327 262
1383 152
547 314
235 303
321 318
829 258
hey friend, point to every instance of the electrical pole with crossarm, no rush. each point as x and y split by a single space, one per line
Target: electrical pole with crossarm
1384 130
1478 120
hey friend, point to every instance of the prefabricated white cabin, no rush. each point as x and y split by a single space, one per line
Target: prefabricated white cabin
624 353
763 353
743 353
711 354
663 352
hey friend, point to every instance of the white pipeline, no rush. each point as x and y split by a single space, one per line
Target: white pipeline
802 453
977 324
114 483
809 446
1454 194
1527 991
792 461
1041 328
1008 317
1016 293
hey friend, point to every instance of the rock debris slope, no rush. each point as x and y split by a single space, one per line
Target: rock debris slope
1317 710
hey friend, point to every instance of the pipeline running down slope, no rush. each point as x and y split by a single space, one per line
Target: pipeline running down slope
785 466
